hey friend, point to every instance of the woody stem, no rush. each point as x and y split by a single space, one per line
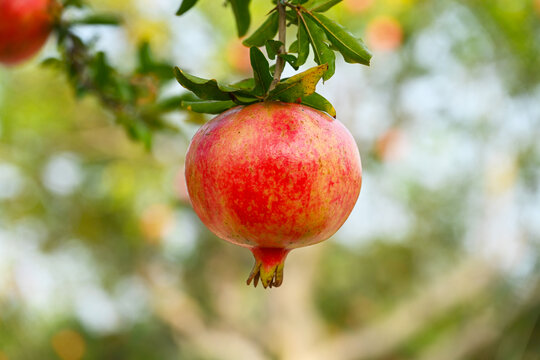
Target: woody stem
282 31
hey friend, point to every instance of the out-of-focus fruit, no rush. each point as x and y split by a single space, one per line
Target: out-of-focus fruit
69 345
156 221
357 6
25 25
384 34
391 145
237 56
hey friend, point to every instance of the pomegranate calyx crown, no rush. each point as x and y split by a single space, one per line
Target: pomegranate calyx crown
268 268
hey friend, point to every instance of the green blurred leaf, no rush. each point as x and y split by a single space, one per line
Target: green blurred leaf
295 88
98 19
322 52
101 70
148 65
241 14
352 49
185 6
318 102
261 71
73 3
207 106
53 63
174 102
321 5
204 89
266 31
137 130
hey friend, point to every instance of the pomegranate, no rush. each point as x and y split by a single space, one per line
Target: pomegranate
24 27
273 177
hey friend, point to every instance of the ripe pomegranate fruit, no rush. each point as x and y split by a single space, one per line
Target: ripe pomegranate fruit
272 177
24 27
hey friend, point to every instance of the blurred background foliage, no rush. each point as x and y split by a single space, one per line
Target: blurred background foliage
101 256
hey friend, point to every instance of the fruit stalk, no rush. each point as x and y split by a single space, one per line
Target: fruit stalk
282 31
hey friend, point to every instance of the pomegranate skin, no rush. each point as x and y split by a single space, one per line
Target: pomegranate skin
24 27
273 177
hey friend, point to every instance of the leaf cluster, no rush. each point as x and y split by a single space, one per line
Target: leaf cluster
132 98
315 33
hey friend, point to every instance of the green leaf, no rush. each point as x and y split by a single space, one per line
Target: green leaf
244 100
246 84
318 102
101 70
266 31
322 52
172 103
137 130
352 49
98 19
148 65
186 5
73 3
53 63
302 41
297 87
293 48
261 71
207 106
205 89
242 16
321 5
272 48
291 17
291 59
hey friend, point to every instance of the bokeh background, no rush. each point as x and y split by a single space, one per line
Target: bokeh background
102 257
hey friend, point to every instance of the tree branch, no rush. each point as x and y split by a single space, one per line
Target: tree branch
282 31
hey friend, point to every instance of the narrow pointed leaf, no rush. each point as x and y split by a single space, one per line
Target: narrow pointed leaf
207 106
298 86
352 49
186 5
205 89
261 71
98 19
266 31
241 15
318 102
322 52
302 40
321 5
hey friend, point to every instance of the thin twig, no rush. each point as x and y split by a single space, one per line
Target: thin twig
282 30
